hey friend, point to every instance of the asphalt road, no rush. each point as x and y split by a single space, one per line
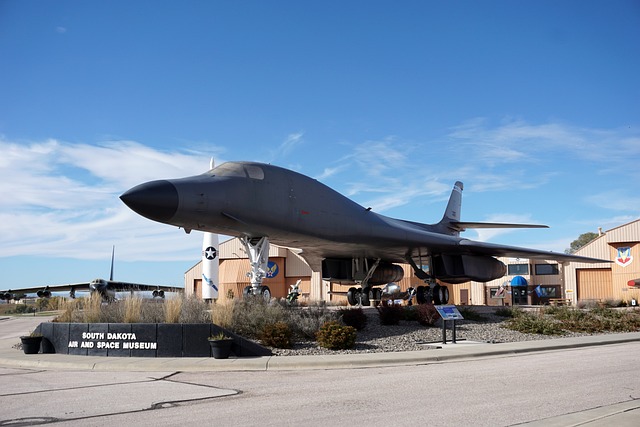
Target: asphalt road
491 391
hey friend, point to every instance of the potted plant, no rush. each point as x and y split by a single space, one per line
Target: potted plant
220 345
31 343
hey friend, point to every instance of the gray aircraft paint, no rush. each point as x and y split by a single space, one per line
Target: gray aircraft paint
293 210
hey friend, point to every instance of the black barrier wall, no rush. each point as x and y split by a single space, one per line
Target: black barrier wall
141 339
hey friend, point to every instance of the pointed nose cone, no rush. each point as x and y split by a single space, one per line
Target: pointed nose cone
156 200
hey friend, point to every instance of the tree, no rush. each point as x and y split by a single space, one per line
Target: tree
581 241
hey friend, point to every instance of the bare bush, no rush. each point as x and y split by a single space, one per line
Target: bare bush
194 310
250 316
308 321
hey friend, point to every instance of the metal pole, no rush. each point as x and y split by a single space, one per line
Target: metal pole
454 332
444 331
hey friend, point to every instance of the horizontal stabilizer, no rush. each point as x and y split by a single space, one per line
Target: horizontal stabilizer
462 226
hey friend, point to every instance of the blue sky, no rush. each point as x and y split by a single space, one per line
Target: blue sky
535 106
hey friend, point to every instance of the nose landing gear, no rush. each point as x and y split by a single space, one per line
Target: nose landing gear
258 253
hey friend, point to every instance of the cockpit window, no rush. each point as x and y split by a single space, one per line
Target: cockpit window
229 169
238 170
254 172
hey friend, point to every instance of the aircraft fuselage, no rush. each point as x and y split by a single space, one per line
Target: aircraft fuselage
293 210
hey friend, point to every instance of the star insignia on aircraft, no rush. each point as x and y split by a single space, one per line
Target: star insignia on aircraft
210 253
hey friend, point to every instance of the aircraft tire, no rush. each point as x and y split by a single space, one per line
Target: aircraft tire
376 296
437 289
246 292
351 296
364 295
265 292
420 295
444 295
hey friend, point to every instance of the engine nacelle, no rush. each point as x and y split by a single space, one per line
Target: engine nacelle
341 270
464 268
44 293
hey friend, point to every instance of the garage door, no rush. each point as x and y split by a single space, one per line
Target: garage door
594 284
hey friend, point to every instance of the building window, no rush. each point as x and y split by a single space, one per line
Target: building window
547 291
546 269
517 269
497 292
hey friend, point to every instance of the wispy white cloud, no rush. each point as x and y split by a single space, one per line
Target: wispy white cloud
61 199
519 141
511 157
290 143
330 171
488 234
384 174
618 199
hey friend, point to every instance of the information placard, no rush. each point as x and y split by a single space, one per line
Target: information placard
449 312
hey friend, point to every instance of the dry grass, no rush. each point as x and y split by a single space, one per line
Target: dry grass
132 309
93 309
70 312
172 309
222 313
135 309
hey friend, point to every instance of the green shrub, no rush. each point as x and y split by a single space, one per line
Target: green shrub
276 335
306 322
469 313
353 317
534 324
390 314
565 313
607 313
250 315
427 314
42 304
410 313
334 336
509 312
24 308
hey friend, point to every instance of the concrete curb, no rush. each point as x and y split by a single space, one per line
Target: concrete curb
13 358
620 414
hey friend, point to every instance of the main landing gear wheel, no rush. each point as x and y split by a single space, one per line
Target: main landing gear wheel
436 295
375 294
352 296
264 291
440 295
422 295
358 296
444 295
364 296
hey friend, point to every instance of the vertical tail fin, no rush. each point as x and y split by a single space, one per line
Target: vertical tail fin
452 213
451 224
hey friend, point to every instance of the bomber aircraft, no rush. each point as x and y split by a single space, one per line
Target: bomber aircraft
349 243
105 288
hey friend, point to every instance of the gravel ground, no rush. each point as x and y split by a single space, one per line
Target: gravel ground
411 336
